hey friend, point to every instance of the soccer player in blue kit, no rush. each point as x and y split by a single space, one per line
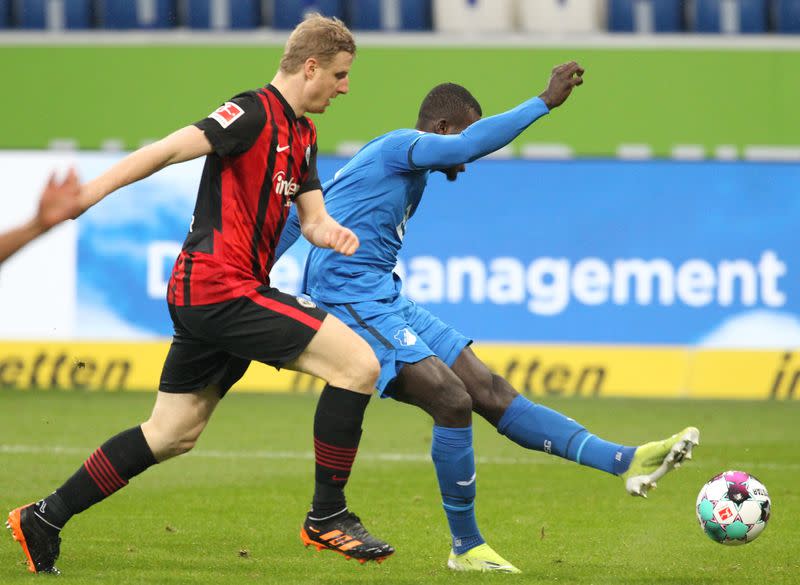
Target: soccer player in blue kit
424 361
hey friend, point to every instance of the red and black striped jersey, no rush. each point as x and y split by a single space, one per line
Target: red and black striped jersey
264 158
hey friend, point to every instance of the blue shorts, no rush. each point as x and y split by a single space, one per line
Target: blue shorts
400 332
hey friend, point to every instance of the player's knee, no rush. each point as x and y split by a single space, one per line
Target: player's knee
371 369
460 404
450 404
366 369
493 398
180 444
185 444
167 441
359 372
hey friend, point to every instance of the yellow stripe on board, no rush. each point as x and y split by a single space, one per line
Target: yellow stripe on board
535 370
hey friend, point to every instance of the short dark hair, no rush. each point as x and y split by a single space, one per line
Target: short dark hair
448 101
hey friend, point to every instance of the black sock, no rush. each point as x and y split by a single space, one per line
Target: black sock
337 431
107 470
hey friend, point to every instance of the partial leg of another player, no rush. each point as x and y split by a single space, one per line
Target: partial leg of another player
539 428
433 387
339 356
172 429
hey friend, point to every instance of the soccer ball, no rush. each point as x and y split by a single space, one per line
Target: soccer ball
733 508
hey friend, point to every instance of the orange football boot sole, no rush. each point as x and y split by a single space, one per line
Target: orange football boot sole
13 524
320 547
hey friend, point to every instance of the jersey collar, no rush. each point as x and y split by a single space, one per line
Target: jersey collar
286 107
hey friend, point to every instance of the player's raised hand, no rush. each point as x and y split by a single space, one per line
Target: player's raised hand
59 200
342 240
562 80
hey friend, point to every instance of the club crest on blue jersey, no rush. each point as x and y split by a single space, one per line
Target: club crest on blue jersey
405 337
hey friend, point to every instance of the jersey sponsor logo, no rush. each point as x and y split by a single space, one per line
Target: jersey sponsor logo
280 148
227 114
405 337
304 302
286 188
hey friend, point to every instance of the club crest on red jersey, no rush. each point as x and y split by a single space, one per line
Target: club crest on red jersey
227 114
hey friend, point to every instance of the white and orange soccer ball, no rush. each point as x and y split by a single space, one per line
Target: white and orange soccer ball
733 508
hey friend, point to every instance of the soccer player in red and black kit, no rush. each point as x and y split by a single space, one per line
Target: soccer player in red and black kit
261 158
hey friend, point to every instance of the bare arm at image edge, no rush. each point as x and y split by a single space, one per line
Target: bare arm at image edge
58 202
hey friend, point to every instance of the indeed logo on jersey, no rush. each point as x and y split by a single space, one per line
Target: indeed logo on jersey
286 188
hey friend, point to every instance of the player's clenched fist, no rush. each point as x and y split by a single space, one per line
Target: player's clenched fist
562 80
342 240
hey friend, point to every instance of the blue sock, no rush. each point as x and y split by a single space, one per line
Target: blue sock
454 459
537 427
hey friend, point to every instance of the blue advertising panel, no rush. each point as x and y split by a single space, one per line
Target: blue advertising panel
657 252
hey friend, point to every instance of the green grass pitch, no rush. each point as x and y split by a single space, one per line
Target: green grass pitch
230 511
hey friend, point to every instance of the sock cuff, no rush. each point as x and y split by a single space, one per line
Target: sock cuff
581 446
453 508
519 406
128 452
452 436
342 402
148 458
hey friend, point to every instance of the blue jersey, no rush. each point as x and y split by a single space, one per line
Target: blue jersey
374 195
377 192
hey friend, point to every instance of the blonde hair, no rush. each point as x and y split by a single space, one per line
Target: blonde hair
317 36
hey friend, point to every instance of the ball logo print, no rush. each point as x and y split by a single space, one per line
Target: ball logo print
725 513
733 508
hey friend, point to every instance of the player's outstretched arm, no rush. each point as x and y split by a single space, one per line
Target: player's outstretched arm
185 144
58 202
321 229
437 151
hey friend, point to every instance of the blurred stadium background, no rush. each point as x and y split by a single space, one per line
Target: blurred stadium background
638 244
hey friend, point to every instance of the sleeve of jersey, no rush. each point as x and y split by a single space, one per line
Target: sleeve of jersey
312 178
436 151
290 233
234 126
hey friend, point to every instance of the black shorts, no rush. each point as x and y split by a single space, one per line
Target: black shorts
214 344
